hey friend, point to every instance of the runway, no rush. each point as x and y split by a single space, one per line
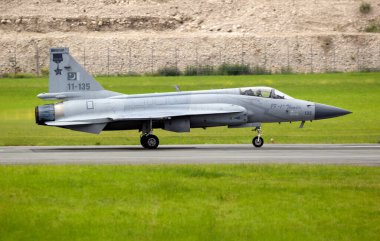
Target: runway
193 154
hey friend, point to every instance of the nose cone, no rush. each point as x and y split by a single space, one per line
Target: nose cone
327 111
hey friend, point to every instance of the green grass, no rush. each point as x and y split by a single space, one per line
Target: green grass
357 92
190 202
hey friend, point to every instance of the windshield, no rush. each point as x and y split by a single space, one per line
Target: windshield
265 92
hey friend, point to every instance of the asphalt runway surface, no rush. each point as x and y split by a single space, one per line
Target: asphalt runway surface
368 154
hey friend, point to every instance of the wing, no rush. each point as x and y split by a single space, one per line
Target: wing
154 112
169 111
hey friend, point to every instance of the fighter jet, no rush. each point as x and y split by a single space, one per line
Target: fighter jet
84 105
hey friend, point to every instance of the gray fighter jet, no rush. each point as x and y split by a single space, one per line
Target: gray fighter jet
85 106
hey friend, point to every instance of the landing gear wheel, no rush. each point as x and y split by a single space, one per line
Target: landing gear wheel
143 141
257 141
149 141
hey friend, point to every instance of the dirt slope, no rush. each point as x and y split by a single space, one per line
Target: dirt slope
259 17
307 35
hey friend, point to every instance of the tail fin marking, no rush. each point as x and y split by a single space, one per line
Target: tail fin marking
67 75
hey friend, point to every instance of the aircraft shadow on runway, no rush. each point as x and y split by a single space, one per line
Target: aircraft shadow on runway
108 149
184 147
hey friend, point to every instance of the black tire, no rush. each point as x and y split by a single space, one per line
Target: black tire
143 141
150 142
258 141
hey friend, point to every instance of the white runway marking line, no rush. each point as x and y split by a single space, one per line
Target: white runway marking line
374 146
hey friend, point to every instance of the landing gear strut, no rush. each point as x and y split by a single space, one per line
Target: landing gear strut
257 141
147 139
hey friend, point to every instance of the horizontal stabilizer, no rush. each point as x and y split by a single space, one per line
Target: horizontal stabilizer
78 122
94 128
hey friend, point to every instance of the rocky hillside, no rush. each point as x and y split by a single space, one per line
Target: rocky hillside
210 25
243 16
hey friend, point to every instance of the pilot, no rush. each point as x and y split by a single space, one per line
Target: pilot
248 92
258 93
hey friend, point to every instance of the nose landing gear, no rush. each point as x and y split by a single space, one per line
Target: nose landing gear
258 141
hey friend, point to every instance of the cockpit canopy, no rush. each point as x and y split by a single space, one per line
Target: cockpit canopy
265 92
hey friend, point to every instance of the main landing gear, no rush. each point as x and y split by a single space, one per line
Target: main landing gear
258 141
147 139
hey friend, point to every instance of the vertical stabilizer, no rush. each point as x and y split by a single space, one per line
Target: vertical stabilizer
66 75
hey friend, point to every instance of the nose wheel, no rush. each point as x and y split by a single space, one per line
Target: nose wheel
149 141
258 141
